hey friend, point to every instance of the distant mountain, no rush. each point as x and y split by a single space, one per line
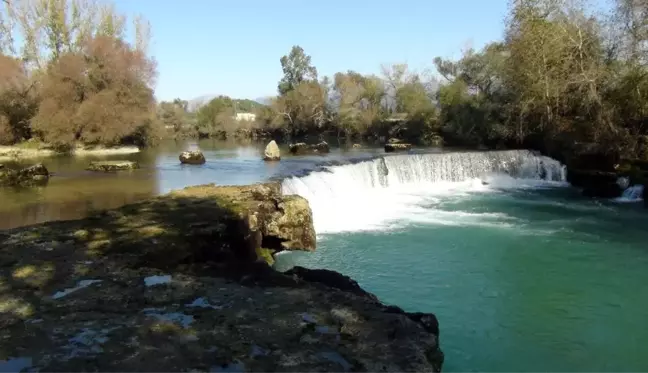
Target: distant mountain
196 103
264 100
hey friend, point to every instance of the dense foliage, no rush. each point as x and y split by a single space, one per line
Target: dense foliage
217 118
563 81
69 76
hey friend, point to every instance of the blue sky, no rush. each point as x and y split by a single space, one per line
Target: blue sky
233 47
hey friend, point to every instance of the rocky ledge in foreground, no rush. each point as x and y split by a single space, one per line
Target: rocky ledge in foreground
181 283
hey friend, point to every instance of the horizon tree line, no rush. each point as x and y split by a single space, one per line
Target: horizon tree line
565 79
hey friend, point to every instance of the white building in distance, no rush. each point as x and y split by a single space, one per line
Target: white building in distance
245 116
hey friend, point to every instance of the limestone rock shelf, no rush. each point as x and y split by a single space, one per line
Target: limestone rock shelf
182 282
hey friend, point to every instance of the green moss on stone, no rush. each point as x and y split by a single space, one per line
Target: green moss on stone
266 254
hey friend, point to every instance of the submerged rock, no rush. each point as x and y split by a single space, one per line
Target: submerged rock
303 148
112 166
192 157
395 147
171 284
28 176
272 152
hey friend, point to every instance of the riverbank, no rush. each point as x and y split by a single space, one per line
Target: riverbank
181 282
29 151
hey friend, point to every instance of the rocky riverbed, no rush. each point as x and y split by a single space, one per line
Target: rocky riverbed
182 283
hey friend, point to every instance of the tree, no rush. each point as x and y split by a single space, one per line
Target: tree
74 63
358 100
304 108
297 68
18 101
475 101
174 115
99 96
216 117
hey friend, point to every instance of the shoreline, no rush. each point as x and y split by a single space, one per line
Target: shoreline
20 153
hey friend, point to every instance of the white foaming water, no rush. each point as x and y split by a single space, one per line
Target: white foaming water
396 190
633 193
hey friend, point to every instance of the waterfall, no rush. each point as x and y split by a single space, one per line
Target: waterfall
633 193
407 169
352 196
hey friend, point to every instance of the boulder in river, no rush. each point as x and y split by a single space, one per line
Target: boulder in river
595 183
112 166
272 152
397 147
175 283
300 148
192 157
28 176
435 140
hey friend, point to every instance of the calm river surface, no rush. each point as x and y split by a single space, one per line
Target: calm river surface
73 192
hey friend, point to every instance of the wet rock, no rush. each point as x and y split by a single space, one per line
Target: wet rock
595 183
29 176
112 166
299 148
329 278
192 157
303 148
272 152
434 139
291 224
397 147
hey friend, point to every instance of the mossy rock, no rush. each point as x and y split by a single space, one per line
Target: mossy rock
397 147
303 148
192 157
112 166
29 176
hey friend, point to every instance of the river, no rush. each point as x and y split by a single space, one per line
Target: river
523 272
73 192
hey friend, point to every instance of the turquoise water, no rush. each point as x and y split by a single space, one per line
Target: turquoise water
524 275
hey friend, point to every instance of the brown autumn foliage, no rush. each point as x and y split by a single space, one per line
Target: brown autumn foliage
18 101
101 95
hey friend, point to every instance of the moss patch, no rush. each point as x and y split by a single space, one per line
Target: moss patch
266 254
